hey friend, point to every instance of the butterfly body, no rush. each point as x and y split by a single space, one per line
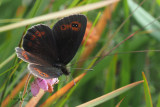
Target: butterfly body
48 51
62 68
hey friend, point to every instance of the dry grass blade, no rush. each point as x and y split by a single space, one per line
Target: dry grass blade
109 96
14 92
7 60
58 14
34 100
99 28
119 103
25 89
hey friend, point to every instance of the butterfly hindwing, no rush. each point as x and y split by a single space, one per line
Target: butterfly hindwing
68 33
39 41
44 72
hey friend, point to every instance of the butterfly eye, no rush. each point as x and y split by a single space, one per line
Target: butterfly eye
74 25
63 27
37 33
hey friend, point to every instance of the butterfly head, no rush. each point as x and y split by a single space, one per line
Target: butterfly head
62 68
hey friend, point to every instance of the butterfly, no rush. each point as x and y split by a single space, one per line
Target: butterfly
48 51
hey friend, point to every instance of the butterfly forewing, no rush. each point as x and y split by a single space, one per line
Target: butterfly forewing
68 33
30 58
39 41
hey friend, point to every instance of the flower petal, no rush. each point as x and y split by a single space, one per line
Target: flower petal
52 81
50 88
42 83
34 88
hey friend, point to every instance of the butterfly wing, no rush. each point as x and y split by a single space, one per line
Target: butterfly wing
39 41
68 33
27 57
44 72
47 71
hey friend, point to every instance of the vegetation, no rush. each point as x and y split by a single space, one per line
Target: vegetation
107 61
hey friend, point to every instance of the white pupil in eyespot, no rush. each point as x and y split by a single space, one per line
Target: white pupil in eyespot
74 25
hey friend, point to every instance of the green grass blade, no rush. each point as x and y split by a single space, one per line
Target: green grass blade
158 104
109 96
66 97
144 18
111 79
93 25
158 2
126 12
35 8
74 3
147 92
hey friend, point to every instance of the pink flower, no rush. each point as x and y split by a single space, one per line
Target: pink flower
45 84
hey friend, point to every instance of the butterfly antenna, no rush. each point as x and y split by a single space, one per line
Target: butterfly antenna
83 69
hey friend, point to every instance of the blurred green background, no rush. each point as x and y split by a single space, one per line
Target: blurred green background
110 73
